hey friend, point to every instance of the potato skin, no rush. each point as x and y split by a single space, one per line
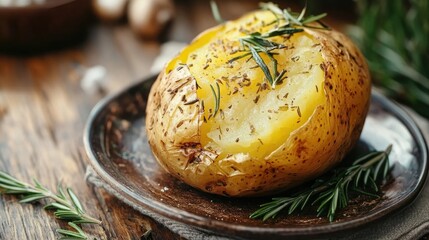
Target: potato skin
333 128
174 118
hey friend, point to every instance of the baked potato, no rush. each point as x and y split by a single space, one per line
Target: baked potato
215 122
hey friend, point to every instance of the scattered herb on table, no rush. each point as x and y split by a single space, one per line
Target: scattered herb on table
331 193
66 206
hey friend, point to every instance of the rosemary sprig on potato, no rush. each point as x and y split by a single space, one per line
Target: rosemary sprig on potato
332 192
66 206
286 24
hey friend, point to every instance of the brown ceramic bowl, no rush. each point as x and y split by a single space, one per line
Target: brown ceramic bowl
43 26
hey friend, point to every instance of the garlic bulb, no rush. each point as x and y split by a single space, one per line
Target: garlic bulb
148 17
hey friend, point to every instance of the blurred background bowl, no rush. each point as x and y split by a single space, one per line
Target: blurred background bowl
42 26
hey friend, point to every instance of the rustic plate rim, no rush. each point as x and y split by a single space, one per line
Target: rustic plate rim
202 223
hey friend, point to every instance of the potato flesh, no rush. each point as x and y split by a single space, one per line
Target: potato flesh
254 118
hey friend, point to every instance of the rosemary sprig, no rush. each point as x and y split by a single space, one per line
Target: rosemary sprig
67 234
287 23
333 193
66 206
216 96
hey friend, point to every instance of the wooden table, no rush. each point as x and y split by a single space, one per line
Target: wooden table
43 110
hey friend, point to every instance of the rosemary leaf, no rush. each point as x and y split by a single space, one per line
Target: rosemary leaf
55 205
67 215
75 200
238 57
314 18
69 234
282 31
334 201
215 12
279 77
302 14
61 193
306 201
262 65
6 181
4 176
216 98
32 197
366 177
77 234
77 228
291 18
39 186
10 189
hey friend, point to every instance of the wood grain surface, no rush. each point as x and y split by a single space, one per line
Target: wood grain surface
43 110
